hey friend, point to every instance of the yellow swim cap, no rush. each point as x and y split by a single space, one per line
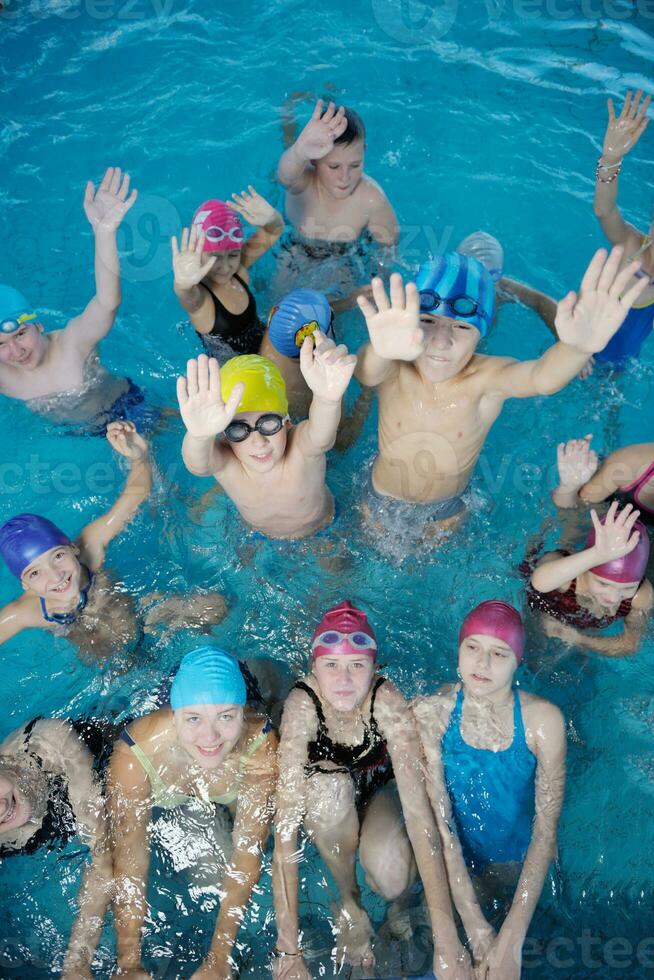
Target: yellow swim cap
265 390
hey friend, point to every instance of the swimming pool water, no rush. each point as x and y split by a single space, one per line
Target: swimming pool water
479 115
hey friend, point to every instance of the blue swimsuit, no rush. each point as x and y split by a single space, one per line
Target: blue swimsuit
630 337
492 793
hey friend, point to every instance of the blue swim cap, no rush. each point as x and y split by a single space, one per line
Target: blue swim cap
458 287
296 316
25 538
207 675
15 311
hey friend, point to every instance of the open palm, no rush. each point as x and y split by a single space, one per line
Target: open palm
394 325
623 132
317 137
106 207
201 405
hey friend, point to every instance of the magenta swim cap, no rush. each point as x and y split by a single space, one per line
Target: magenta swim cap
344 629
222 228
629 568
25 538
498 619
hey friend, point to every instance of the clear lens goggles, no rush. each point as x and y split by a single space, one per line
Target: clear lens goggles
332 638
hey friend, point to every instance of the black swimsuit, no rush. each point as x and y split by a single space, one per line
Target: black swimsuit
368 764
242 331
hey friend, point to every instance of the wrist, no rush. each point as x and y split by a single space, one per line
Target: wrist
299 154
606 161
568 489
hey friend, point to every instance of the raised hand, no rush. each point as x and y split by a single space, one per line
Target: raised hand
317 137
394 327
616 537
202 408
326 368
189 266
576 461
623 133
253 207
290 968
106 207
588 320
124 439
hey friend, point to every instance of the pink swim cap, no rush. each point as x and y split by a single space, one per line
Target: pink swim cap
344 629
222 228
629 568
498 619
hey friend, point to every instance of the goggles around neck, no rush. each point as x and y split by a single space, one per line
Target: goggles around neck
12 324
266 425
460 306
357 640
216 234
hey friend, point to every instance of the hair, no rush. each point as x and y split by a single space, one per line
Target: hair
355 129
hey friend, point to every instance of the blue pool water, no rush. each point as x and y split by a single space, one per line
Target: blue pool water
479 115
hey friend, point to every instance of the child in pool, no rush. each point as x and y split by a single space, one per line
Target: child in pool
66 589
212 270
438 398
350 772
58 373
626 475
207 761
49 793
495 777
273 471
597 586
328 195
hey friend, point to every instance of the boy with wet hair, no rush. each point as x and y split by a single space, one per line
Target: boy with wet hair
438 398
273 471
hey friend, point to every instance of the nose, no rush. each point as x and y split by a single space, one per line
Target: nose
442 336
257 440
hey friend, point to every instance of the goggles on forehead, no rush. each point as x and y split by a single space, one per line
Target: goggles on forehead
332 638
216 234
463 306
266 425
11 324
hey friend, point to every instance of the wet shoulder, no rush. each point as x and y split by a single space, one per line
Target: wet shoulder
260 745
542 720
154 732
432 712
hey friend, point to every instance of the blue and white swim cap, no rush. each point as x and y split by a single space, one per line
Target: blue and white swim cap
15 311
458 287
208 675
297 316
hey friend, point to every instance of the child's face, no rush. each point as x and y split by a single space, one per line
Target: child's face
344 679
25 348
341 170
486 664
608 593
225 267
449 345
258 452
209 732
54 574
15 809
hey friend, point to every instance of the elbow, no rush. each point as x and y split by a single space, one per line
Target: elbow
538 583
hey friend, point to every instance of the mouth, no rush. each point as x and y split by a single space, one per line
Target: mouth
438 360
262 457
63 586
480 679
343 694
210 752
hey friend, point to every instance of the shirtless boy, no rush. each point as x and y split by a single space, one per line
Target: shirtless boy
273 471
328 196
36 366
66 590
437 398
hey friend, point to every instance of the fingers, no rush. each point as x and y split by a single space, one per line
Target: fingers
185 239
192 376
306 354
566 305
593 271
329 113
115 181
366 307
379 293
609 106
203 373
632 294
124 187
317 110
89 192
625 108
621 279
609 270
182 391
397 291
174 246
130 201
597 525
231 405
105 183
412 299
207 267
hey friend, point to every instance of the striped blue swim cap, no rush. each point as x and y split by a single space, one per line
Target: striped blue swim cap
458 287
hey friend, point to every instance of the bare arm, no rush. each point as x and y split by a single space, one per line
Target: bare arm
96 536
205 415
315 141
622 134
327 370
14 618
382 222
251 828
372 369
262 240
294 170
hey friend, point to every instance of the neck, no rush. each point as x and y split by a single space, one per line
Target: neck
498 699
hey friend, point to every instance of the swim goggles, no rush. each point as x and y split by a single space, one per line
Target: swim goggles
266 425
216 234
463 306
332 638
12 324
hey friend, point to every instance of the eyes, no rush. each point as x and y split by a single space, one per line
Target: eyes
496 652
196 719
335 166
355 665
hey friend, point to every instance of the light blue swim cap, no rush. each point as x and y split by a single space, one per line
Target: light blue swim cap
15 311
26 537
297 316
208 675
458 287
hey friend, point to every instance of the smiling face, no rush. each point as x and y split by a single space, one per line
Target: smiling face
14 807
259 453
340 171
224 268
209 732
344 679
607 592
486 665
449 346
25 348
54 575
